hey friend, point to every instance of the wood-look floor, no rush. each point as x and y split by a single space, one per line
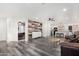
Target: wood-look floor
38 47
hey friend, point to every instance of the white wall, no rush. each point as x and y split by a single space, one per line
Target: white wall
3 31
12 28
46 28
26 29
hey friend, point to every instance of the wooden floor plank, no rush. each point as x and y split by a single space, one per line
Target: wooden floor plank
38 47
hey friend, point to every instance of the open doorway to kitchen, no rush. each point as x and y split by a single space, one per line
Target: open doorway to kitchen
21 31
34 30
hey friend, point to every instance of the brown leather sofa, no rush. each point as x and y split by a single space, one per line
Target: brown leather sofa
71 46
69 49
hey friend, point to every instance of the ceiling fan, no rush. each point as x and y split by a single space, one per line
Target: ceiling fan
51 19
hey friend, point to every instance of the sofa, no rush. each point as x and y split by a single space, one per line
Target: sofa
69 49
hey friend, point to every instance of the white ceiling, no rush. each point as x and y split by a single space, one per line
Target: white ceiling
32 9
41 10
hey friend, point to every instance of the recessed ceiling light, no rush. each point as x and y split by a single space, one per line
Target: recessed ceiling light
64 9
36 18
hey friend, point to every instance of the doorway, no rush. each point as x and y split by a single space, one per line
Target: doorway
21 31
70 28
